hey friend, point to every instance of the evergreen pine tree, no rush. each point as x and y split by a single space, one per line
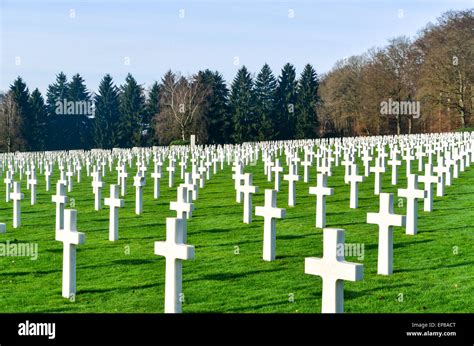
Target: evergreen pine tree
306 117
132 106
21 95
152 109
265 88
78 128
107 114
39 114
216 109
286 101
56 95
242 106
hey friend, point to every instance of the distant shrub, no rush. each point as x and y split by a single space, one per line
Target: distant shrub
466 129
179 142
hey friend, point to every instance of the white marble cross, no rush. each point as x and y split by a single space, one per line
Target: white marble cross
182 207
348 162
208 165
394 163
60 199
419 154
142 169
385 219
171 169
408 157
69 175
454 159
366 158
428 180
47 176
88 167
191 188
270 213
156 175
21 168
334 270
196 176
321 191
62 177
70 238
450 162
28 172
306 166
447 170
277 169
139 183
202 170
247 189
175 251
33 182
16 196
412 194
182 165
439 169
378 169
97 185
114 202
292 177
325 167
268 164
78 171
8 183
238 176
354 180
122 176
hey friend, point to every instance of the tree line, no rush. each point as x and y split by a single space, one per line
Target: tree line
433 71
70 117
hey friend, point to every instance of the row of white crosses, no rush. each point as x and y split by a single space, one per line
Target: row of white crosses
386 219
66 219
332 286
332 267
378 167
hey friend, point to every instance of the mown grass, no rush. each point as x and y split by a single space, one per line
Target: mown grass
125 276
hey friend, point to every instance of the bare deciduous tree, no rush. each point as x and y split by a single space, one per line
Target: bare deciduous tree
10 125
182 100
447 73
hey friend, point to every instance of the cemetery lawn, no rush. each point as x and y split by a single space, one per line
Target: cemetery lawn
433 271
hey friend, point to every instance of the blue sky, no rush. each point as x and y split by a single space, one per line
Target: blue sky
45 38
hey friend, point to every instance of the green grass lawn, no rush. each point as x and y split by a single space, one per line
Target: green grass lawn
126 276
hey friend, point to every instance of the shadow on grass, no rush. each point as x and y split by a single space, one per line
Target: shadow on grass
398 245
288 256
291 236
211 230
122 289
355 294
133 262
435 268
336 225
252 308
232 276
35 272
54 250
210 214
231 243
